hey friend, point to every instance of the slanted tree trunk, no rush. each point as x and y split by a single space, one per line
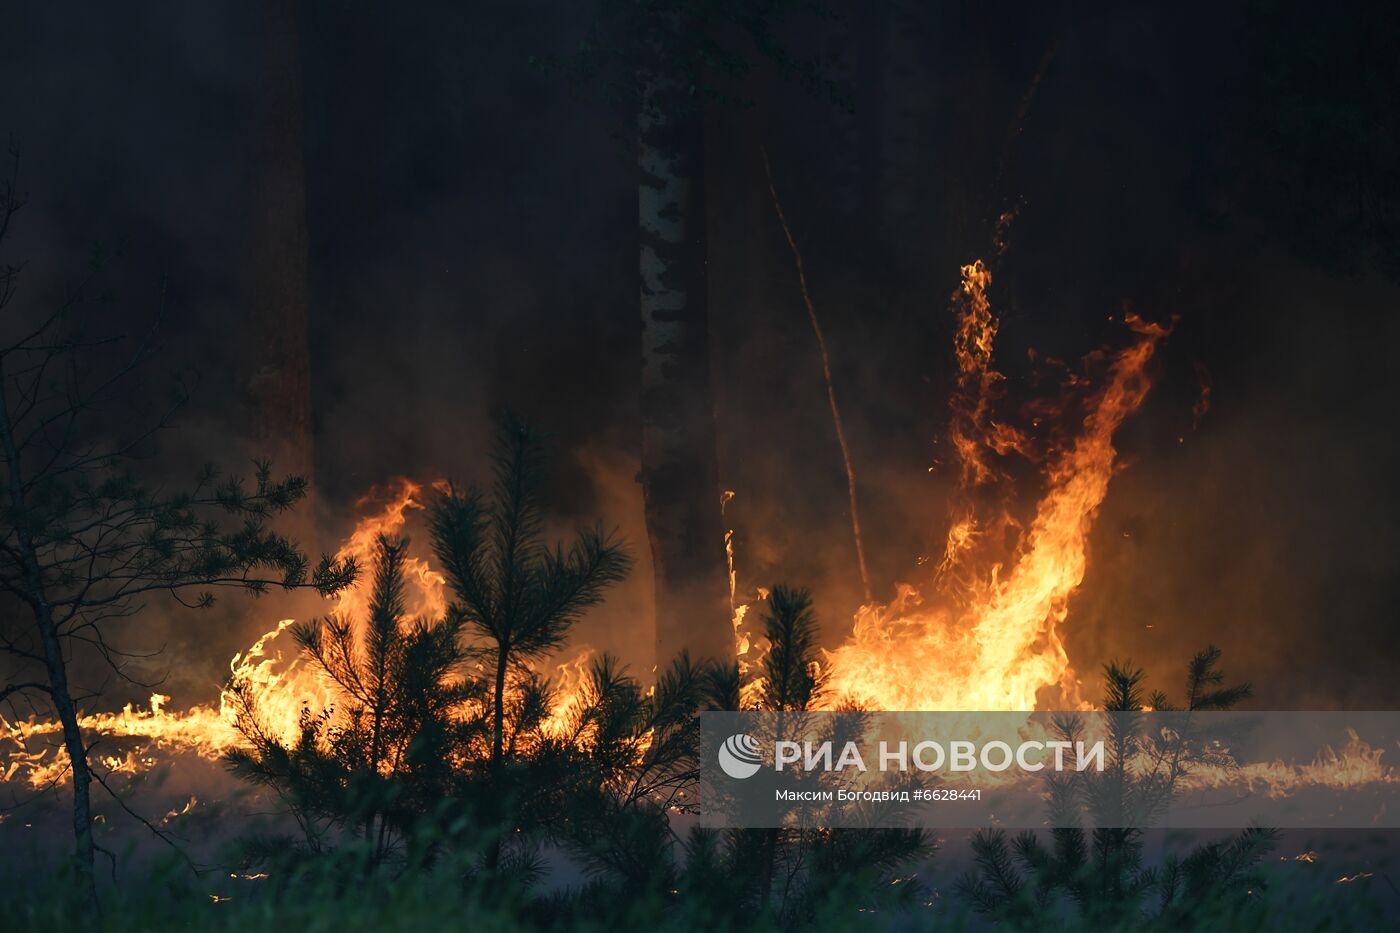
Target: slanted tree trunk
57 688
61 695
279 378
680 474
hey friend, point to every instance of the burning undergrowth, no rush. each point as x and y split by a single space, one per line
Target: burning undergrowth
983 631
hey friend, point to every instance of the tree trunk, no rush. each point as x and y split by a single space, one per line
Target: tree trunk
498 716
680 475
279 379
58 690
498 746
83 851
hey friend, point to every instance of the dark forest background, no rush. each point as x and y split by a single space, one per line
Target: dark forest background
471 231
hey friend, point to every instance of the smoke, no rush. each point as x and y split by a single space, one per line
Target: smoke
1269 532
472 223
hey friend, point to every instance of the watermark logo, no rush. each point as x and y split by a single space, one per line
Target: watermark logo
739 757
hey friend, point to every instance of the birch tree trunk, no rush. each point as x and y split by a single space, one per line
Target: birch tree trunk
680 474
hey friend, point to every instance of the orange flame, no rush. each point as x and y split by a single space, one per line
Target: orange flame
990 639
282 686
986 638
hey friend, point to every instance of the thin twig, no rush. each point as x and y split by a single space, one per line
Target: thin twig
156 831
826 373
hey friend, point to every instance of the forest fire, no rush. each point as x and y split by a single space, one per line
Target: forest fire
283 687
989 622
991 627
699 465
475 520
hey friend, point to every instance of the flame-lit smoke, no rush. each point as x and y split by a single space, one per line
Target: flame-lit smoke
272 671
984 635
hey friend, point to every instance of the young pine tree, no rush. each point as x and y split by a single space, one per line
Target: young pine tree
1101 874
792 876
510 589
380 762
449 713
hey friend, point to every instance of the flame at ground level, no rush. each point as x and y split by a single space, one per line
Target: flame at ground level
983 637
283 685
993 642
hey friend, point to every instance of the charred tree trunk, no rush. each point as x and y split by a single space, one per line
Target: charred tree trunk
279 380
680 474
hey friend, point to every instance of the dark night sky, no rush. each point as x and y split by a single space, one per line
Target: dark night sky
472 230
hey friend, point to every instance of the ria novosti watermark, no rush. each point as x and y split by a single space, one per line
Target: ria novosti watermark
739 756
1031 770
